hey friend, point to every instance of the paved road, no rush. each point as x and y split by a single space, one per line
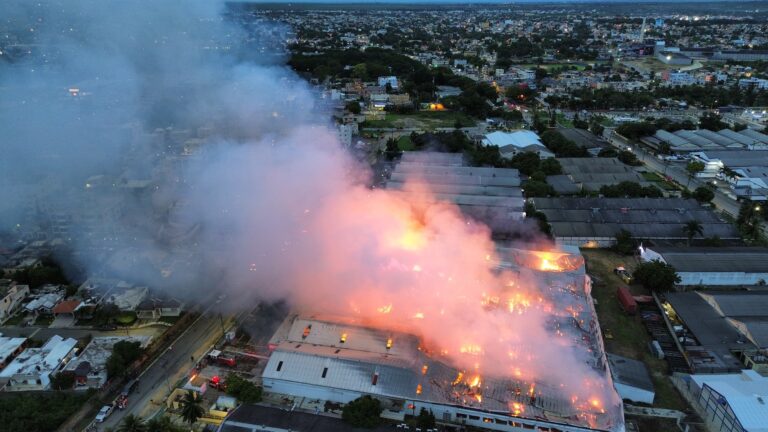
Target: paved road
174 364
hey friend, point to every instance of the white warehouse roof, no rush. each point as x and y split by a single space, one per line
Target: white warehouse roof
520 139
746 393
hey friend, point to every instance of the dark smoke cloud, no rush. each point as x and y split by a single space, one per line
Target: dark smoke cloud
156 84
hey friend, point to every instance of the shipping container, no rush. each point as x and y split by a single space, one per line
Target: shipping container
628 302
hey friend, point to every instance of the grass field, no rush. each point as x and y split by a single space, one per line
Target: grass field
426 120
404 143
630 338
659 181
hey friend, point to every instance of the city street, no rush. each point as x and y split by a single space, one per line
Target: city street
156 382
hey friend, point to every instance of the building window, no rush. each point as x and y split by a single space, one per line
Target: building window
279 365
325 372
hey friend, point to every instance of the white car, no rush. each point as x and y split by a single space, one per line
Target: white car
104 412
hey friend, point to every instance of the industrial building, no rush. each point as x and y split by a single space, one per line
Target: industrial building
593 173
729 402
490 195
718 328
631 379
689 141
713 265
340 359
521 141
594 222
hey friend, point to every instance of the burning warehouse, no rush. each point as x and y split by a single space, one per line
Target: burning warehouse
339 359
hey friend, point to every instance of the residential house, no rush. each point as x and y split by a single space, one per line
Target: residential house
157 308
10 347
11 297
34 367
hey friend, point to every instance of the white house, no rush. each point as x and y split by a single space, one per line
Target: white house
11 298
391 80
34 367
512 143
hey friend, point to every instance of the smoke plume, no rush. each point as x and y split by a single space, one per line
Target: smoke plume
165 145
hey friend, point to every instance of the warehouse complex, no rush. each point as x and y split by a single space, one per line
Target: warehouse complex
340 359
594 222
490 195
594 173
689 141
720 327
713 265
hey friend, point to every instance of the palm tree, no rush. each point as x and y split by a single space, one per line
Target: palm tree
132 423
190 408
692 229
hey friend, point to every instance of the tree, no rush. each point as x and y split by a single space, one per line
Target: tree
711 121
703 194
693 168
242 389
628 158
63 380
392 150
425 420
162 424
656 276
132 423
190 407
364 411
625 244
608 152
526 162
353 107
636 130
536 188
551 166
124 353
750 220
691 229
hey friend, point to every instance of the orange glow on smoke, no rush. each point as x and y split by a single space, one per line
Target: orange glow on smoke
471 349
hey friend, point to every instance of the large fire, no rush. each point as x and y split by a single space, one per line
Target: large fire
416 265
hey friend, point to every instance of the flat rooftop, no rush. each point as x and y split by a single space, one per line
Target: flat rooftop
716 259
716 336
252 418
347 353
490 195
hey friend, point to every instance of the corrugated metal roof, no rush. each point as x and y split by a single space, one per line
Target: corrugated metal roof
410 167
738 304
721 260
458 189
746 393
630 372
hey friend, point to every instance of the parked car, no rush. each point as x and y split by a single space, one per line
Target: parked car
623 274
104 412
